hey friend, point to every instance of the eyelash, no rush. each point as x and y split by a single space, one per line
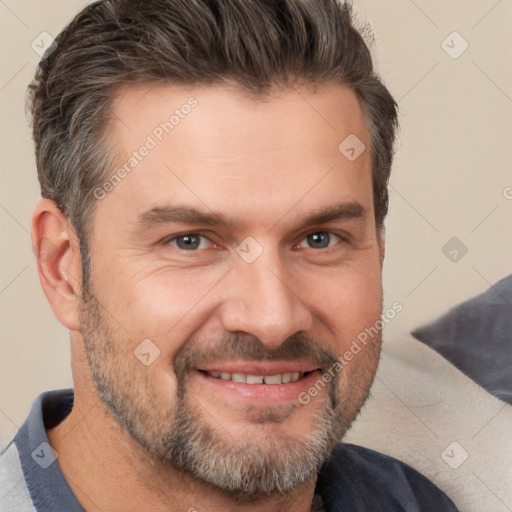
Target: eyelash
168 241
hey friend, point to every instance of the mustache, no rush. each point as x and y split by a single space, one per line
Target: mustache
233 346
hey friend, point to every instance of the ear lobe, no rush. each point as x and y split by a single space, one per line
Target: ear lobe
57 252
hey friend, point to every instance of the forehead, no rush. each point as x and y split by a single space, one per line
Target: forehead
225 113
212 144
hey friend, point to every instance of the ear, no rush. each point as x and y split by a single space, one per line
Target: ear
57 251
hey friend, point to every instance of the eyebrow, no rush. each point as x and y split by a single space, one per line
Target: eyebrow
162 215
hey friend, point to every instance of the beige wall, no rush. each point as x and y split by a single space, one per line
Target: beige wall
452 168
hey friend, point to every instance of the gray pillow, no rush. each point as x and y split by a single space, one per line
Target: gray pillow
476 337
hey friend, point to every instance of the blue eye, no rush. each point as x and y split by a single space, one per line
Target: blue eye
195 241
320 240
190 242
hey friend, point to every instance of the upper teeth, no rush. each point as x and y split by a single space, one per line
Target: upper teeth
280 378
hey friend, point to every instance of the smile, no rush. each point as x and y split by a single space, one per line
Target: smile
280 378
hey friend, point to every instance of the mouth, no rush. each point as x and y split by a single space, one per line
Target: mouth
247 378
259 383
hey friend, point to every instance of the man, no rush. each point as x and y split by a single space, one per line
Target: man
211 232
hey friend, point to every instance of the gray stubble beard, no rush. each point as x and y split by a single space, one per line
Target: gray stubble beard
242 470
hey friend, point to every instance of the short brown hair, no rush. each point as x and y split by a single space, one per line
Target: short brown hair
257 45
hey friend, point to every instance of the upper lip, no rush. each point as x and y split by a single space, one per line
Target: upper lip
260 368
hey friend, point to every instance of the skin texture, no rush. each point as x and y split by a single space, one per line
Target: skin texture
266 165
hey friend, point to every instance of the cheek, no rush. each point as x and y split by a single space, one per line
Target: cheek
165 305
348 301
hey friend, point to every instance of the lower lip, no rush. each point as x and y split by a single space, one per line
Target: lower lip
266 394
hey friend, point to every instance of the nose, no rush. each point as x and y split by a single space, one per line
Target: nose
260 301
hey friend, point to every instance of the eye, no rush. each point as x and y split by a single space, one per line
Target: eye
190 242
320 240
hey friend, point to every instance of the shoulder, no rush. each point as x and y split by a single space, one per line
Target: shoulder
357 478
14 494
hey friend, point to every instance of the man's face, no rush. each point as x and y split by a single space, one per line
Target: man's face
204 253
